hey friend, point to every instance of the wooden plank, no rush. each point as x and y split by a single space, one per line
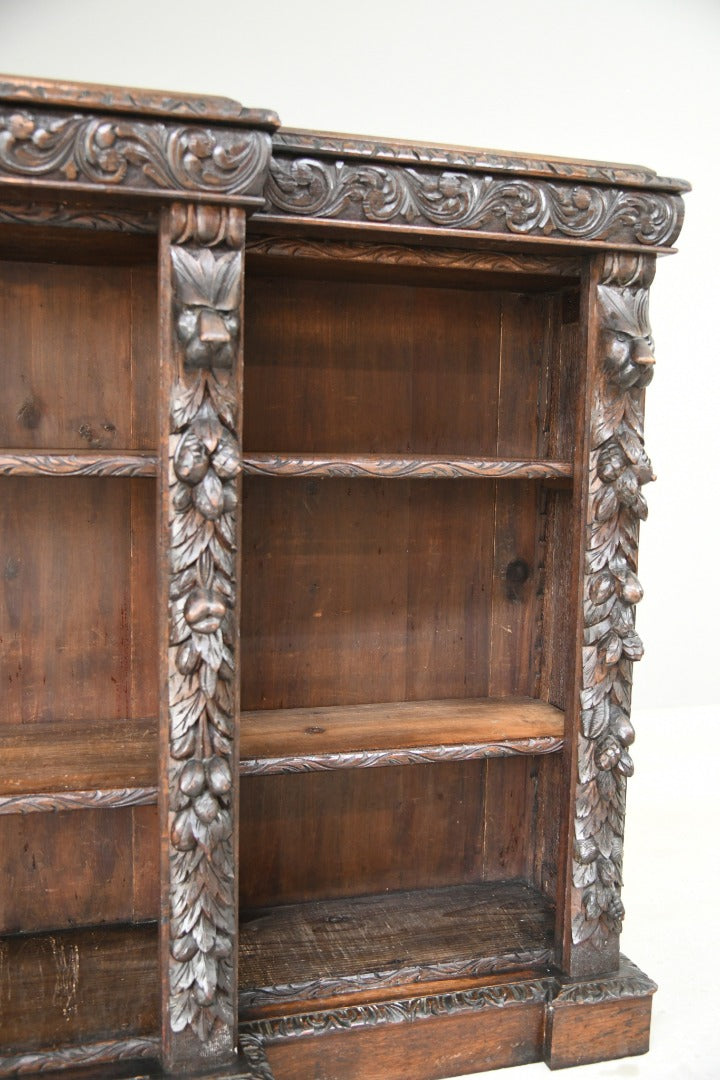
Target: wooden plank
332 834
433 1049
74 756
86 404
401 466
582 1034
77 986
324 612
67 621
67 869
305 951
397 724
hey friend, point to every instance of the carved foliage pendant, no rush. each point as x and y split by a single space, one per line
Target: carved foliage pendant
619 467
204 463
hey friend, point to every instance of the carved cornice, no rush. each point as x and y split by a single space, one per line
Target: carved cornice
82 152
619 467
27 90
49 801
205 258
420 755
402 196
406 1010
402 976
328 144
97 1054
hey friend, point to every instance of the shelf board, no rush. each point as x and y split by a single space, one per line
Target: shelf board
396 733
84 463
319 949
73 765
67 765
403 466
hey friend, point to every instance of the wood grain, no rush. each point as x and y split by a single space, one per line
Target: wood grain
78 986
95 403
72 615
73 756
338 946
391 725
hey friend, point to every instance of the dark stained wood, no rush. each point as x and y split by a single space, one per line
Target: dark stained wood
97 851
336 946
329 834
412 315
78 986
69 656
432 1049
23 90
581 1034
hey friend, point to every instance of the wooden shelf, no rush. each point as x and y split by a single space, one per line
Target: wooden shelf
323 948
403 466
65 765
89 463
396 733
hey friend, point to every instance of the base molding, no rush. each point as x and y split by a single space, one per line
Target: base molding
507 1021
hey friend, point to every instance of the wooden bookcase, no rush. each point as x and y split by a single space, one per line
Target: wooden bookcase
321 467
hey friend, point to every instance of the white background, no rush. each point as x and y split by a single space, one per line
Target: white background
620 80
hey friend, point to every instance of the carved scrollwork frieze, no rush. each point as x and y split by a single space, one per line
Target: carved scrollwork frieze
206 268
619 467
348 190
144 156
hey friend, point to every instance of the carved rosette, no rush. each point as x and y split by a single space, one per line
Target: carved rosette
619 467
204 464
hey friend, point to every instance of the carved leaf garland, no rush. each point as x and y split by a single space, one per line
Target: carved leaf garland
204 466
619 467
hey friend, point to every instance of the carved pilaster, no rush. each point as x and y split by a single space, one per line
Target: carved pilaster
201 254
621 367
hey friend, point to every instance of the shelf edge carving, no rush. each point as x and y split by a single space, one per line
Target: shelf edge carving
379 466
40 463
63 216
421 755
58 801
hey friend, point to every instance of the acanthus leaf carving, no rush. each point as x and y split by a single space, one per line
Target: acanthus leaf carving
135 154
619 467
402 195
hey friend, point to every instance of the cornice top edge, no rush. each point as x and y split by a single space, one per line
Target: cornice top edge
401 152
168 104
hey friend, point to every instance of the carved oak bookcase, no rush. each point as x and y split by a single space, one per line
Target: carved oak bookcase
322 467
